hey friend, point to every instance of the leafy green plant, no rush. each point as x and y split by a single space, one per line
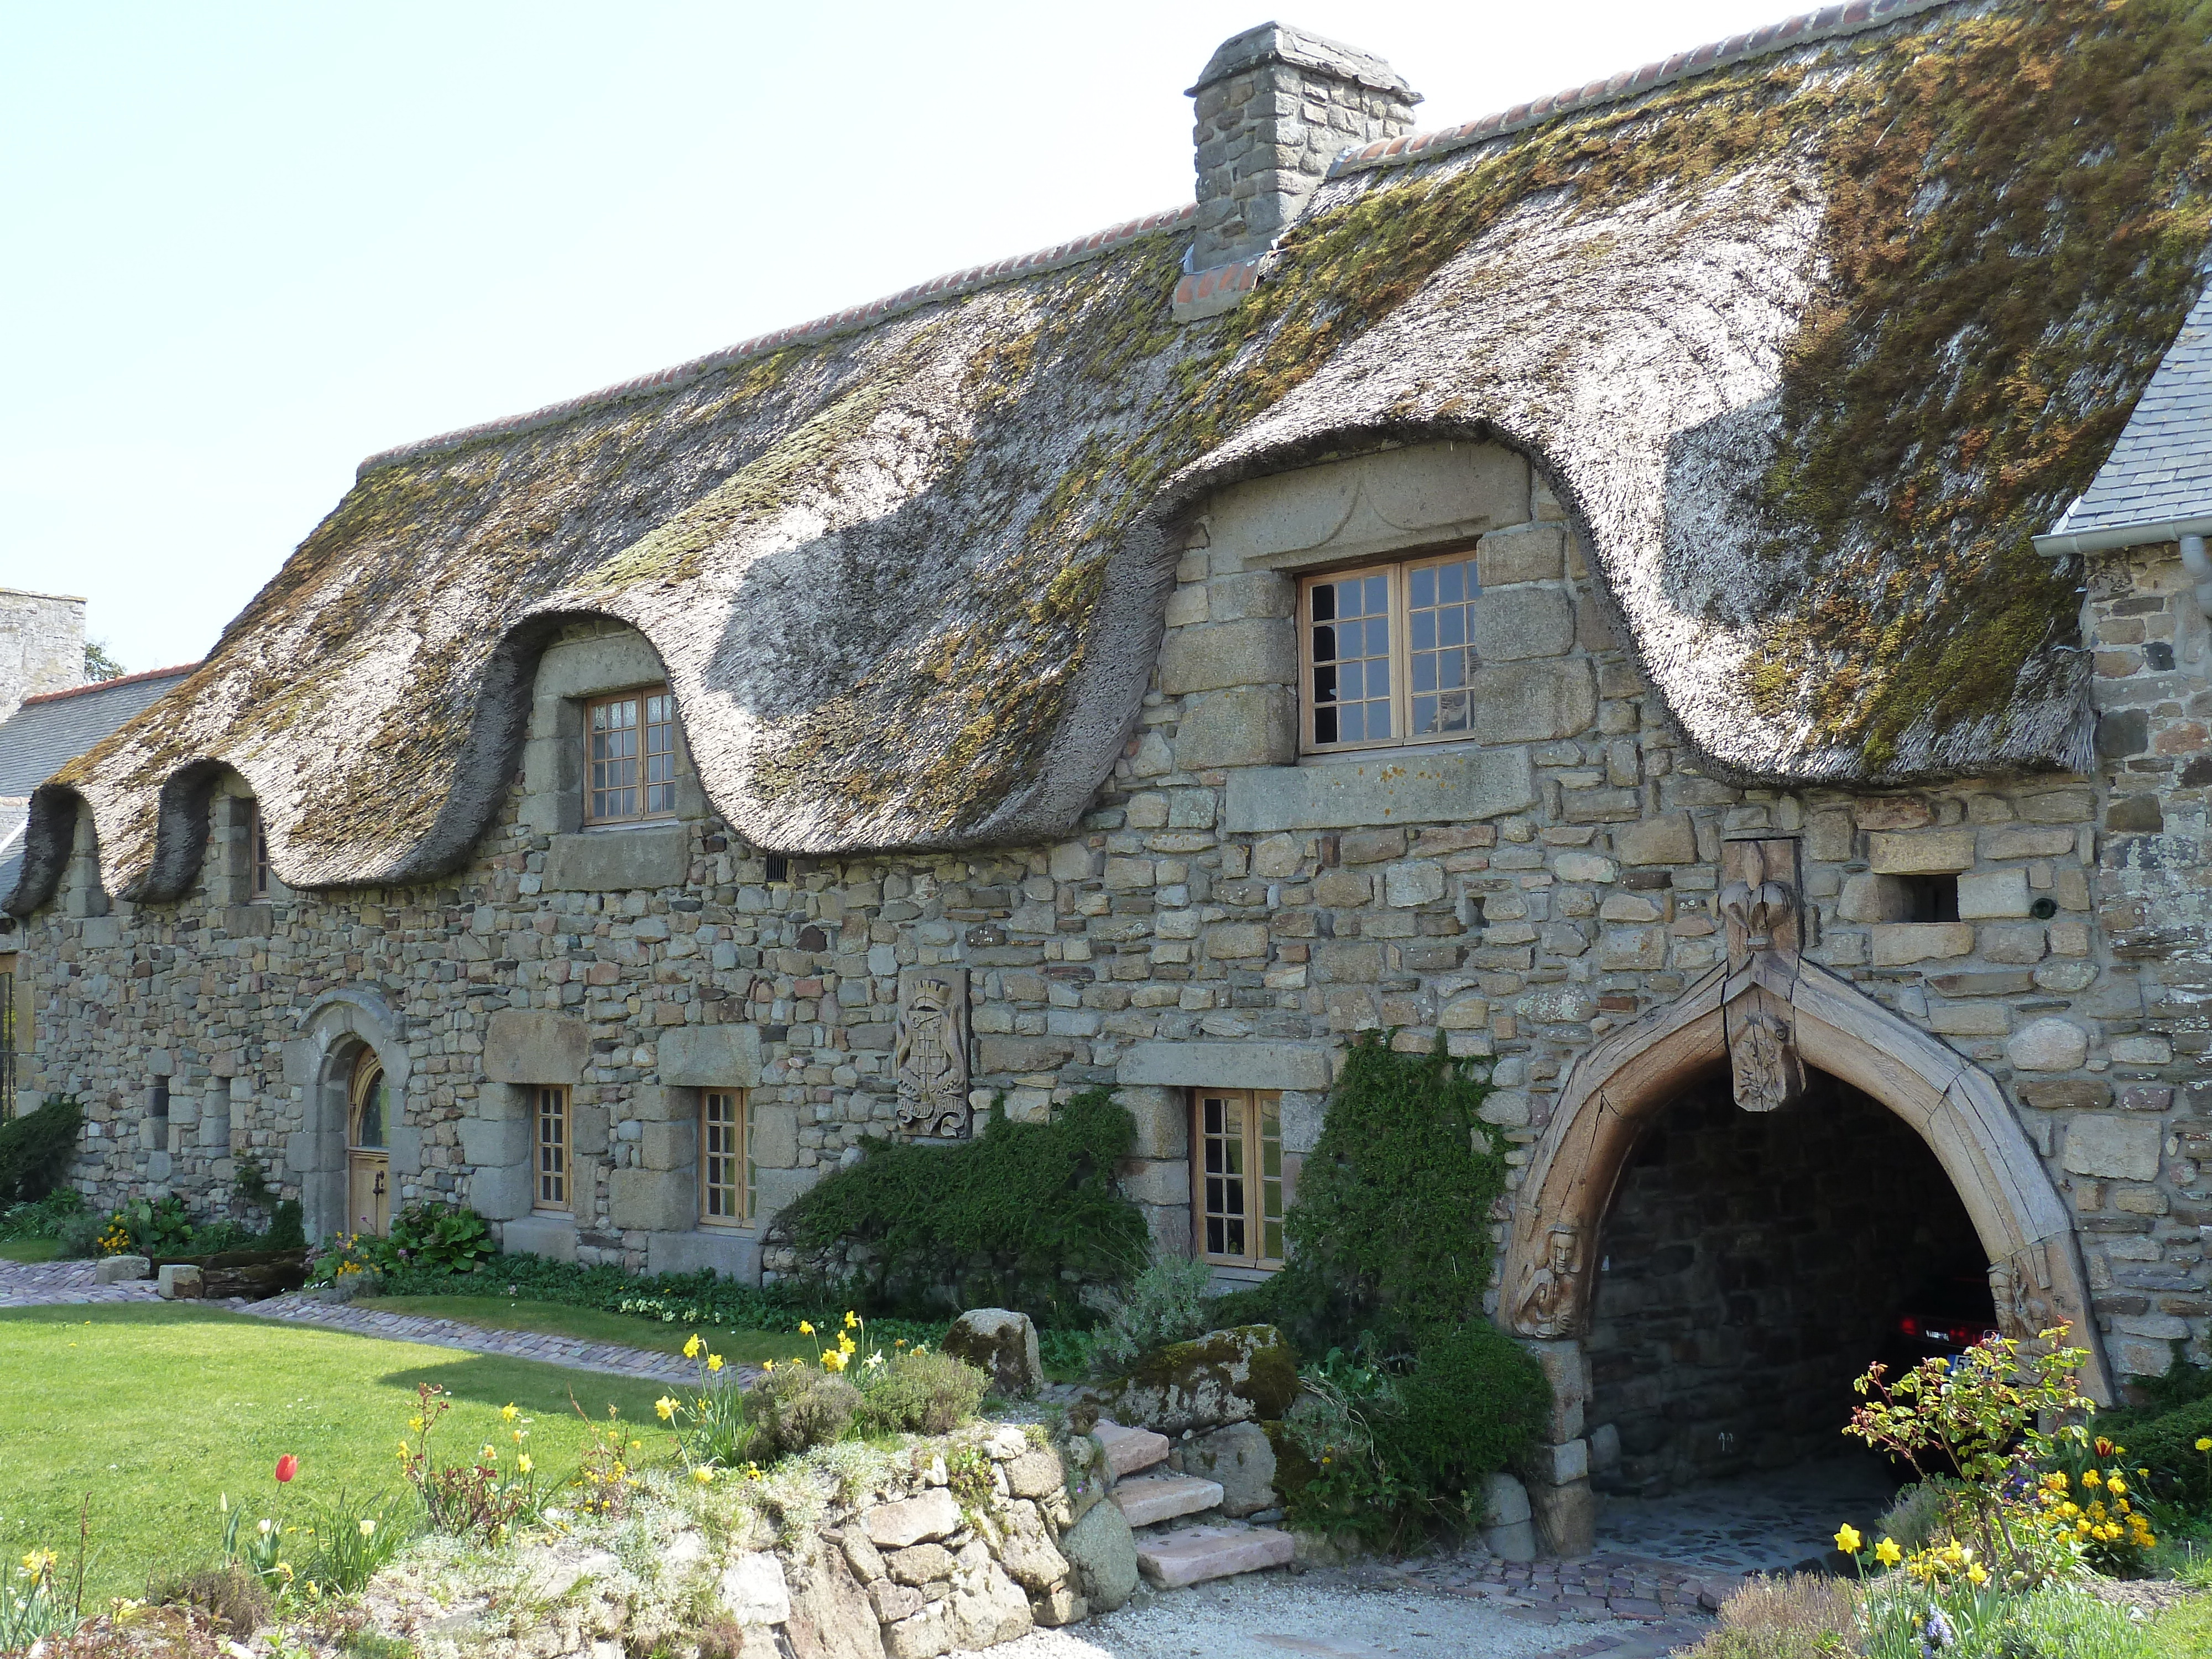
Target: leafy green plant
1169 1301
1471 1403
251 1184
2054 1622
1389 1235
480 1497
1980 1413
161 1228
352 1541
1798 1615
287 1227
797 1406
36 1149
32 1605
41 1217
918 1390
436 1237
79 1235
1031 1212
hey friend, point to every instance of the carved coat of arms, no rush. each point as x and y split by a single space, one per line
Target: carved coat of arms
931 1057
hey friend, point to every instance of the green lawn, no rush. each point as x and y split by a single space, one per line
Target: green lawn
154 1410
502 1312
2186 1629
30 1249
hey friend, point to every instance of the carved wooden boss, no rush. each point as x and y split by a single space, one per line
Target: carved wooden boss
1759 903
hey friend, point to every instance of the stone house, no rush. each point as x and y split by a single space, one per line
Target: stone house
1690 592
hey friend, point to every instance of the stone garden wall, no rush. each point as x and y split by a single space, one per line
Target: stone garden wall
1225 917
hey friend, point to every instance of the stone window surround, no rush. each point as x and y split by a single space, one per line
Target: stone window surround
235 831
589 661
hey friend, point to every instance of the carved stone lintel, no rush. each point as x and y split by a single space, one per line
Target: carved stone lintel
1548 1303
931 1059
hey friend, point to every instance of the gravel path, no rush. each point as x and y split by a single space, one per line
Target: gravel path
55 1284
1326 1616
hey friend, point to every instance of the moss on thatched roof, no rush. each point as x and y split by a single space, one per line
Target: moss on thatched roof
1812 343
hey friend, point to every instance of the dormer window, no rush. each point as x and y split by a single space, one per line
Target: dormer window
629 757
1389 653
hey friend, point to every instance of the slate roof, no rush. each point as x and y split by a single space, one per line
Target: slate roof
1812 340
48 731
2159 473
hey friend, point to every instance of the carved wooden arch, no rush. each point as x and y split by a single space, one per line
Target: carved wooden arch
1768 1016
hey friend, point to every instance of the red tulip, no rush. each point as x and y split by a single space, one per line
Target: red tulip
287 1467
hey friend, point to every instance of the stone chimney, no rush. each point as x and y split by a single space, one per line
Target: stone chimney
1275 106
41 645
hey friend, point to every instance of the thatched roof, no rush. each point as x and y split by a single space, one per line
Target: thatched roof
1813 336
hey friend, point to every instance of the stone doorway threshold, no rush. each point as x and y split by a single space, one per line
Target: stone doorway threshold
1775 1521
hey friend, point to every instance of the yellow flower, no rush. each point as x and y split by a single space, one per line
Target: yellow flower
1848 1540
416 1423
2204 1444
705 1477
2115 1485
714 1362
1887 1554
508 1411
851 1319
845 1345
367 1526
768 1365
666 1407
806 1328
691 1348
1977 1574
39 1563
523 1463
832 1360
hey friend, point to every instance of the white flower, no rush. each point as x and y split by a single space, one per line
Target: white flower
873 1360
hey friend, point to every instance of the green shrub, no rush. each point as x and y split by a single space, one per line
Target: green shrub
37 1149
1028 1214
1168 1303
1473 1403
288 1228
796 1407
927 1393
1787 1617
79 1235
438 1238
1389 1235
41 1218
1916 1518
2166 1446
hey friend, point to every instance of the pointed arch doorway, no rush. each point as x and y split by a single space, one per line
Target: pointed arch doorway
1770 1026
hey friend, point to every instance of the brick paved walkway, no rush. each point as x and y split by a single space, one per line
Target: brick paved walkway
51 1284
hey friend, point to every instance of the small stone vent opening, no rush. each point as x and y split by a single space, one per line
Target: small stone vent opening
1751 1265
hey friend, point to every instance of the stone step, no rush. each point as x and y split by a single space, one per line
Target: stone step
1154 1498
1128 1450
1191 1555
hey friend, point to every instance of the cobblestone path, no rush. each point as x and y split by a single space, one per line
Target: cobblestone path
50 1284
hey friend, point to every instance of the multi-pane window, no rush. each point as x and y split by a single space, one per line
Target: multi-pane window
1389 653
551 1138
257 852
1238 1172
726 1170
629 757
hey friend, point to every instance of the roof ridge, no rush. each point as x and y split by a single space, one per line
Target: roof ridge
953 283
1851 18
103 685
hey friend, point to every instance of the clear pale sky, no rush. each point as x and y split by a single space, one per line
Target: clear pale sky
246 244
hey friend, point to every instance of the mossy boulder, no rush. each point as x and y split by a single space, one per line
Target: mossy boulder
1246 1374
1002 1344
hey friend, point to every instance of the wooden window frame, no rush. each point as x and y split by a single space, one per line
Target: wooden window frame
1255 1109
738 1158
552 1160
1399 611
257 855
644 786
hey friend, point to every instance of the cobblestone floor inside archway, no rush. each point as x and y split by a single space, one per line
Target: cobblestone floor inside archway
1776 1520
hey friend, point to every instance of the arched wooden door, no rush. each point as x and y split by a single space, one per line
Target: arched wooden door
369 1165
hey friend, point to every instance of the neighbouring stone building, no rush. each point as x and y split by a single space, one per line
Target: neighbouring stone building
1691 590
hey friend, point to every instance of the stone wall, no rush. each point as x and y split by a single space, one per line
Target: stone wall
1226 916
41 645
1752 1265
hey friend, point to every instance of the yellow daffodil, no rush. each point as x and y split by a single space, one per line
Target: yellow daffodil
1977 1574
714 1362
768 1365
367 1526
39 1563
873 1360
523 1463
832 1360
704 1477
1848 1540
806 1328
1887 1554
691 1348
666 1407
508 1411
852 1319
